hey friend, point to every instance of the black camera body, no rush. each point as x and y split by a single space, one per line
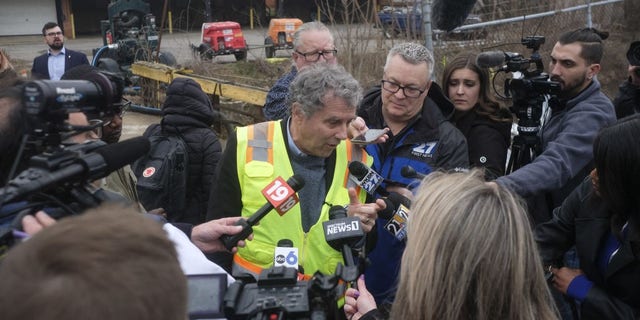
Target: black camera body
279 293
48 103
529 88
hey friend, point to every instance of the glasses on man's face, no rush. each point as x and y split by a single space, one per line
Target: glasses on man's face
409 92
120 112
53 34
314 56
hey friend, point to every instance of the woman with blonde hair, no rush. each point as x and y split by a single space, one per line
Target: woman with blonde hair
470 255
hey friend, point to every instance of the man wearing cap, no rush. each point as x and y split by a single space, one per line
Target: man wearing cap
627 101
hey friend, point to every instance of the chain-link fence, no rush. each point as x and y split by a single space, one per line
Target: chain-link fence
500 25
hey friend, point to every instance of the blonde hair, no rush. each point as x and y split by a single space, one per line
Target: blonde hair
470 255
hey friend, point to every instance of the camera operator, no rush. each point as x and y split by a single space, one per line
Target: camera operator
570 126
627 102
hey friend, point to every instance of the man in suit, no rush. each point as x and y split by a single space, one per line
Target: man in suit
58 59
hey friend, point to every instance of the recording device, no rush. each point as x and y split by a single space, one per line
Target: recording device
205 293
48 102
633 56
77 164
397 214
61 181
367 178
342 233
369 136
280 195
285 254
529 87
411 173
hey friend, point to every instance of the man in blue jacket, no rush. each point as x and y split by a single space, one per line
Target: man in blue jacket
415 111
58 59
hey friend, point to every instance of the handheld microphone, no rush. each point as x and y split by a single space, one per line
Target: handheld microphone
285 255
367 178
88 167
342 232
280 195
411 173
398 216
448 15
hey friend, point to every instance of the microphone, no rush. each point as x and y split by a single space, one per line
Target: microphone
285 255
490 59
448 15
411 173
367 178
280 195
87 167
342 232
398 215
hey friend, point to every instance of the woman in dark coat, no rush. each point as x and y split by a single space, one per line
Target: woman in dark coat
602 219
188 112
483 122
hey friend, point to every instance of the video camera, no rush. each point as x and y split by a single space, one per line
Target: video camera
279 294
528 85
47 104
59 177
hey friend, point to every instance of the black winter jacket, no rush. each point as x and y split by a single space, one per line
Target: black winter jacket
583 220
187 111
488 141
627 101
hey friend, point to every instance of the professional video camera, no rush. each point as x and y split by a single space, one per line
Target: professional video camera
58 177
48 103
529 88
279 294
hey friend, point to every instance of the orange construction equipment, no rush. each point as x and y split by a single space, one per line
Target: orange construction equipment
280 35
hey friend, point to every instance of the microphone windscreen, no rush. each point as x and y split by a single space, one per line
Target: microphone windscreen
399 199
296 182
448 15
490 59
358 169
337 212
387 212
119 154
285 243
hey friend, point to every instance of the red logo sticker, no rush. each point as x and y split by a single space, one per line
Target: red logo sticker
148 172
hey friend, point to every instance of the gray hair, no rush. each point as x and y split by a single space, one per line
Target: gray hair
314 83
309 26
412 53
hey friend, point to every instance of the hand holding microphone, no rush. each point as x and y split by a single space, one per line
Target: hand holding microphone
280 195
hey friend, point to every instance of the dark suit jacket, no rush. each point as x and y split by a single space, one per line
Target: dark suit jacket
583 220
40 68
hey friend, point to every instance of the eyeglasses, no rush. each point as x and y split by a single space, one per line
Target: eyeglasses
314 56
393 87
119 111
53 34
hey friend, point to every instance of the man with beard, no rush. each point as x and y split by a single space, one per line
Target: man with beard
53 64
569 128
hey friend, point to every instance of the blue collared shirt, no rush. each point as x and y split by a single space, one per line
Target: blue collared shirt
56 64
